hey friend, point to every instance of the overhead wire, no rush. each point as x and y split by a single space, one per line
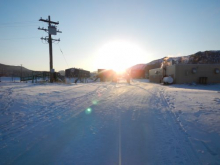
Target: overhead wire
18 38
42 34
21 22
17 25
63 55
61 50
24 24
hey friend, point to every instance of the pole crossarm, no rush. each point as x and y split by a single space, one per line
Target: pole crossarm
48 21
47 39
46 30
55 39
59 31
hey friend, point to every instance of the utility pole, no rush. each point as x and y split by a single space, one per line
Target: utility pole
52 30
21 72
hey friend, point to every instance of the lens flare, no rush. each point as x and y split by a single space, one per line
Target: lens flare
95 102
88 111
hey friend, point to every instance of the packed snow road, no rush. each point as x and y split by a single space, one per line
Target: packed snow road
101 124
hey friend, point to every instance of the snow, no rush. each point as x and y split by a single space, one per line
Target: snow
200 118
109 123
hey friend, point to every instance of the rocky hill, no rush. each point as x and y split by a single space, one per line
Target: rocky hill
15 71
206 57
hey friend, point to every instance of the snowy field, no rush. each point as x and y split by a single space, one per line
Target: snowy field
109 124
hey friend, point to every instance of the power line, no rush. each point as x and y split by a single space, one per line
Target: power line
63 55
17 26
21 22
18 38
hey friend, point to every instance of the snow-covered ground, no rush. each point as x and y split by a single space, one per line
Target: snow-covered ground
109 123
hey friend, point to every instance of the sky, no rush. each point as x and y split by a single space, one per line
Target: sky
106 34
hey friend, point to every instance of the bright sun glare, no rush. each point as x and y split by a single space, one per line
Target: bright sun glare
119 55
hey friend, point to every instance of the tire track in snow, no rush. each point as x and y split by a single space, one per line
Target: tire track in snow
124 97
119 138
179 133
183 153
47 115
82 102
132 111
170 122
6 97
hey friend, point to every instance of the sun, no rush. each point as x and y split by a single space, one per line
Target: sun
119 55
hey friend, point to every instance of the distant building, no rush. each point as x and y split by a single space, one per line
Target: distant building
187 73
75 72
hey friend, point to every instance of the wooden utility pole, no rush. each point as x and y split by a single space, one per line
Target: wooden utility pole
21 72
52 30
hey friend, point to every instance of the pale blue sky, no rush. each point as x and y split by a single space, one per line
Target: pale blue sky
158 28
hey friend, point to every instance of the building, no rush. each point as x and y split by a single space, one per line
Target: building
79 73
156 75
187 73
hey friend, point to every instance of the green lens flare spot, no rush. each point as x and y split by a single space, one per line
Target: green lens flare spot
94 102
88 111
